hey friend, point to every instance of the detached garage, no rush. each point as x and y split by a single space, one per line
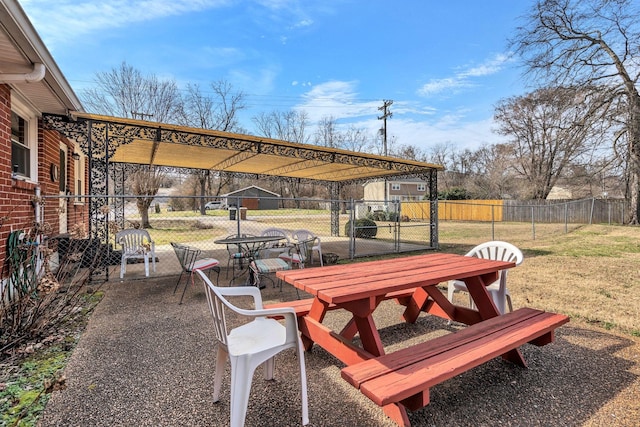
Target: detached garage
253 198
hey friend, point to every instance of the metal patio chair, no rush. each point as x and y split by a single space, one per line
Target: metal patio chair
190 261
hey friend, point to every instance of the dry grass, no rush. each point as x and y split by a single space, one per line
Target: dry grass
591 273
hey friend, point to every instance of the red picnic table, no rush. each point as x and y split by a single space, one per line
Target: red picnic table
400 380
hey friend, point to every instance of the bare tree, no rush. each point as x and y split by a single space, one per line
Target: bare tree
285 125
327 133
288 126
219 112
549 129
491 173
125 92
589 43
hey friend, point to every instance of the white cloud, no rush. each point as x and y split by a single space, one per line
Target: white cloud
336 99
88 16
463 79
440 85
448 129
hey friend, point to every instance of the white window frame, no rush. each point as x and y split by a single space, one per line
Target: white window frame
31 137
422 187
395 186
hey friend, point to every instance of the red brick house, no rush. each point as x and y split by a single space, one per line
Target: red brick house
34 160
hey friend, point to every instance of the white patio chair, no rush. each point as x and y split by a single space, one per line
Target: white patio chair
136 244
495 250
250 345
277 247
190 261
304 235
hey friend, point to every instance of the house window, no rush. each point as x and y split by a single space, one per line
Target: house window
395 186
20 152
23 141
422 187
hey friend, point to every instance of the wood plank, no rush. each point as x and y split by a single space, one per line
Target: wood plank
380 366
405 382
336 345
378 274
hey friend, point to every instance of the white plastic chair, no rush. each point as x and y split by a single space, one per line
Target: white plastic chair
250 345
190 261
304 235
136 244
495 250
277 247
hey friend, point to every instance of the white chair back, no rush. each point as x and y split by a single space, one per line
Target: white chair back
216 306
498 251
134 241
494 250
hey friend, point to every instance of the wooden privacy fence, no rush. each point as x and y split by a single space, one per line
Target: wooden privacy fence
456 210
585 211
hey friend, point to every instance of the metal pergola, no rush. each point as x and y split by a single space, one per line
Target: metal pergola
111 143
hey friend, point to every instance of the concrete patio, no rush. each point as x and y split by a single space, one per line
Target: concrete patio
146 360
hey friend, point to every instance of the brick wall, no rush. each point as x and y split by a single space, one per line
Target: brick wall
15 195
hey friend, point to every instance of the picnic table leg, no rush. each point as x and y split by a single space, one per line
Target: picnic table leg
398 413
369 335
317 312
415 305
487 309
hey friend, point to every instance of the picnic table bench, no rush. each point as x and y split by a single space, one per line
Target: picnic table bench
302 307
405 376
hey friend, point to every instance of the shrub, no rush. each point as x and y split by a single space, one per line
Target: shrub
364 227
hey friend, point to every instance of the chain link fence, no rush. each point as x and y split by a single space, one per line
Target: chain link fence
346 228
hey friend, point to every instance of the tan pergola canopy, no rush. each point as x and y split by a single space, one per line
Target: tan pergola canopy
161 144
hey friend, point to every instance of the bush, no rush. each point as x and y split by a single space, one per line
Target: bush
365 228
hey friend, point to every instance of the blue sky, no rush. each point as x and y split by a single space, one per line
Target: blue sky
445 64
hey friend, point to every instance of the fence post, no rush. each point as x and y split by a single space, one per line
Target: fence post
593 202
493 223
352 231
566 217
533 224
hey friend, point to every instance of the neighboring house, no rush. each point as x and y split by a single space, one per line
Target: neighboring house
253 197
559 193
34 160
397 190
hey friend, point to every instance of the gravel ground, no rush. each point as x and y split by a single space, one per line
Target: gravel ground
144 360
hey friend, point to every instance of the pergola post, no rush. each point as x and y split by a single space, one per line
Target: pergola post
433 208
334 189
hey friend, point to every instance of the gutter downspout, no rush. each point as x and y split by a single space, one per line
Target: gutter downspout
34 76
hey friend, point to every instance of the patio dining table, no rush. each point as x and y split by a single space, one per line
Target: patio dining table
249 246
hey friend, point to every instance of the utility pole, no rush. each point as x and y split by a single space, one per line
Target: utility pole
385 114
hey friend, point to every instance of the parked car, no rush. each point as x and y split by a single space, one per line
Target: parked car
215 205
